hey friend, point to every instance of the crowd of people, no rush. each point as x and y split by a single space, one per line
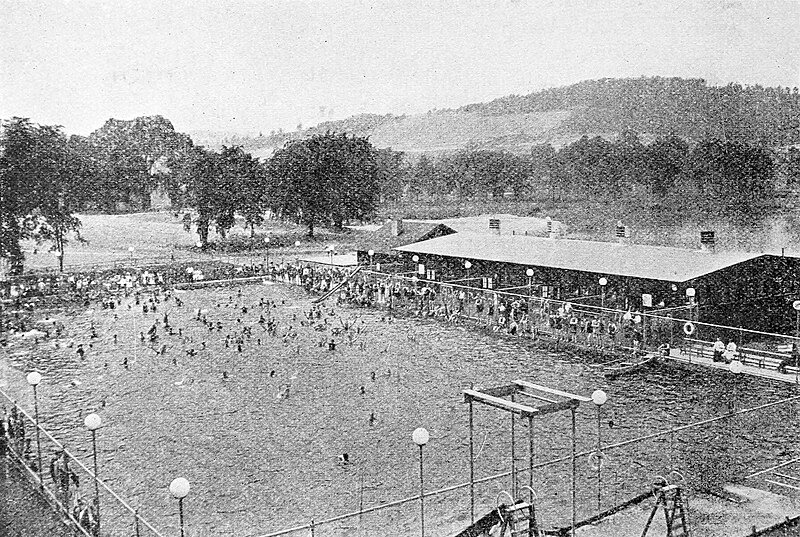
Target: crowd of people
509 314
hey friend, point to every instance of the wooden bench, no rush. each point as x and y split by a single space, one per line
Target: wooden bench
761 359
697 348
766 359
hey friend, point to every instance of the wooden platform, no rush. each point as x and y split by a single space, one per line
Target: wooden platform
771 374
708 516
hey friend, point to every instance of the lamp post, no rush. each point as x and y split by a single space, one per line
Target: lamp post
60 258
93 422
330 253
690 293
420 437
266 258
34 378
796 306
370 253
468 265
130 252
529 274
179 488
599 398
297 257
736 368
603 282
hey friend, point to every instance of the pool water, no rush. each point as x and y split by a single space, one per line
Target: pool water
259 461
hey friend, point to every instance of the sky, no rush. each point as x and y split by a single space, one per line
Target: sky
257 66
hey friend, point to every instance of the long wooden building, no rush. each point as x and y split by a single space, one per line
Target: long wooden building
751 290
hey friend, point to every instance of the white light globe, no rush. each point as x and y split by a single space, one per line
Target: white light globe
736 367
266 240
34 378
529 273
599 397
420 436
690 292
371 253
467 265
92 422
602 281
415 258
297 243
179 488
130 248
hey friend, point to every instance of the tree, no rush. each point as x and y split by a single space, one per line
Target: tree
39 185
325 179
64 178
209 191
251 186
665 160
423 178
543 168
135 157
394 173
17 191
733 179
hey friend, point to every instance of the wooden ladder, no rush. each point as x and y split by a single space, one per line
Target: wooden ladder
671 500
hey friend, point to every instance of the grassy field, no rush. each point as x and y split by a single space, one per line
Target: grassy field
160 235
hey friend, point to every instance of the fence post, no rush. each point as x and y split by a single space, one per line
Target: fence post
136 522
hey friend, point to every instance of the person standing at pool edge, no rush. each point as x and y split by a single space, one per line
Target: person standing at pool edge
719 348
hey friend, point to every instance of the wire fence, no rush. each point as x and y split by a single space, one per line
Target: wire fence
602 481
574 322
68 483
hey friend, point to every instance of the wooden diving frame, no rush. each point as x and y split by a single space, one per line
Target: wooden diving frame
553 401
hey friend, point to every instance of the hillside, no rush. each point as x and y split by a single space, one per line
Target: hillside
653 107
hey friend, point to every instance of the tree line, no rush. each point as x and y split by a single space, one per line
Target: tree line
329 179
719 177
46 178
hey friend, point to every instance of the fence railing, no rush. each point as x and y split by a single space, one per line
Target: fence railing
70 486
599 488
572 321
